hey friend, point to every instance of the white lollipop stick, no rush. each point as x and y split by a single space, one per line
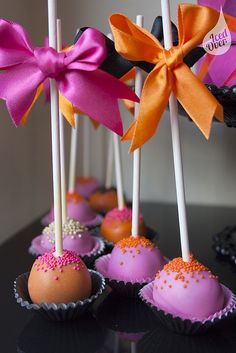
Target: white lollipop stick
62 141
73 155
109 171
137 153
86 146
118 167
52 29
119 177
178 166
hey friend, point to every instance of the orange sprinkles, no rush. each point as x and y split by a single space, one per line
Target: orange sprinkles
133 242
181 268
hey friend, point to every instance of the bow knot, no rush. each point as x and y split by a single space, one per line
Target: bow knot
173 57
49 61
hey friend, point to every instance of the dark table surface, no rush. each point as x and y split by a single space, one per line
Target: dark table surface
117 325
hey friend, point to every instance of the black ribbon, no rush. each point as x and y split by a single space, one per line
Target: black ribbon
117 66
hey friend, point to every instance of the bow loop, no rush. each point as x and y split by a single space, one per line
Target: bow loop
173 57
49 61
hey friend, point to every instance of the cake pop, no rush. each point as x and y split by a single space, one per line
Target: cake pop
133 259
117 224
61 279
78 209
86 186
103 200
188 289
76 237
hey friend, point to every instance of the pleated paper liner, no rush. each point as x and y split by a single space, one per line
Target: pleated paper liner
58 312
186 326
37 249
127 289
84 335
125 315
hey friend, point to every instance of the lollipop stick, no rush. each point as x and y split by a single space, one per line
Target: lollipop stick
137 153
62 141
108 182
52 28
119 177
73 155
178 166
118 167
86 147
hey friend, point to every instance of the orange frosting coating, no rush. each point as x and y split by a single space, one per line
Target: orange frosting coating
117 229
74 197
103 201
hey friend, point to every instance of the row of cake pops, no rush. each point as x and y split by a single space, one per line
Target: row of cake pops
59 281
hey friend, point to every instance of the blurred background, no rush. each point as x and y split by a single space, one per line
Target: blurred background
25 153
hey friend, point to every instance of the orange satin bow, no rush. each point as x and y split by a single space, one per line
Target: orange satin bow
170 72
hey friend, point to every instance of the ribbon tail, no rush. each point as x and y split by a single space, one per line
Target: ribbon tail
94 123
202 113
18 87
129 105
155 95
96 93
25 116
67 109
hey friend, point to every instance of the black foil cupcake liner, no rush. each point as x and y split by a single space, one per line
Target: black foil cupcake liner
127 289
89 259
186 326
58 312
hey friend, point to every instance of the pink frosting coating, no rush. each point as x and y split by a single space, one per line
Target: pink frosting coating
122 215
80 211
86 189
81 244
135 263
198 296
46 242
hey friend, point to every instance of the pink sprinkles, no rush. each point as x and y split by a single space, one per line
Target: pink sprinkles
49 262
123 215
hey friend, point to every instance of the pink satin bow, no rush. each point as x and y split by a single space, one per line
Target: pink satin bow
75 71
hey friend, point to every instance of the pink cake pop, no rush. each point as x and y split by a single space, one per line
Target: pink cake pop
78 209
188 290
76 238
86 186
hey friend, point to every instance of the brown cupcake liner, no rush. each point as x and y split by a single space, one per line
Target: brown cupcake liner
58 312
187 326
